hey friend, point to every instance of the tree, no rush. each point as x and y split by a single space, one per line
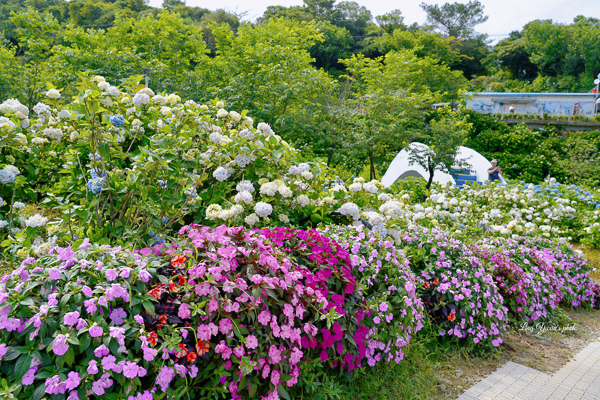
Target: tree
444 136
391 21
170 4
582 159
455 19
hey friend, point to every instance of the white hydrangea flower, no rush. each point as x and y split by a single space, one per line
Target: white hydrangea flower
285 191
303 167
15 106
41 108
307 175
113 91
221 174
53 94
350 209
265 129
173 99
158 99
215 137
355 187
18 205
36 221
222 113
245 185
383 197
242 160
12 169
247 134
284 218
294 170
251 219
263 209
103 85
64 114
303 200
6 122
3 224
371 187
243 196
235 116
140 98
54 133
380 228
269 189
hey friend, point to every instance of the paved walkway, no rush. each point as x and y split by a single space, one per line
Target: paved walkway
579 379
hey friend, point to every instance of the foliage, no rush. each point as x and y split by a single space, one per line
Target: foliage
455 19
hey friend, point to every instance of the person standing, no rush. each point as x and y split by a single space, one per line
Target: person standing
495 171
511 109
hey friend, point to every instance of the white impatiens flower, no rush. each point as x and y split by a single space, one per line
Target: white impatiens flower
36 221
263 209
235 116
222 113
251 219
245 133
245 185
140 98
302 200
242 160
53 94
243 196
221 174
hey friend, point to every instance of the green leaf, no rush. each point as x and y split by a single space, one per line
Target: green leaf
253 388
148 306
40 391
283 393
22 365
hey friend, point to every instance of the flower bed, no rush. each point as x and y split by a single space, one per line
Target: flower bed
458 293
223 310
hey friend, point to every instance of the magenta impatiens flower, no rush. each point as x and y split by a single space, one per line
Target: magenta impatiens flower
54 273
275 354
225 325
92 368
111 274
29 376
251 342
264 317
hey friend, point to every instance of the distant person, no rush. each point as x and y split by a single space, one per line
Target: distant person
494 171
511 109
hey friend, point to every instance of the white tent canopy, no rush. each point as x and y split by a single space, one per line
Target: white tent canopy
401 167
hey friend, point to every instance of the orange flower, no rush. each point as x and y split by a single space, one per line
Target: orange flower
191 357
178 260
426 284
436 281
202 347
155 293
152 338
182 280
172 286
452 317
183 351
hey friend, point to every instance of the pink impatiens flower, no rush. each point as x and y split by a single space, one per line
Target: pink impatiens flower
95 330
60 345
264 317
184 311
225 325
71 318
275 354
130 369
72 381
117 316
251 342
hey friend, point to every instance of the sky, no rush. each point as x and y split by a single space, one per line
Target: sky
504 16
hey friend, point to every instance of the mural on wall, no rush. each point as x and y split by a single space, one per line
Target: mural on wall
540 105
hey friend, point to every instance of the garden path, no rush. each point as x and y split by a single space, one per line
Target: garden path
579 379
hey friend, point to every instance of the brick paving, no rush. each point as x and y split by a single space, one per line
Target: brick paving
579 379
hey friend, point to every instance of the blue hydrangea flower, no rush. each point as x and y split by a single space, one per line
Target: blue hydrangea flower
117 120
95 184
165 219
191 192
7 176
163 184
96 157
